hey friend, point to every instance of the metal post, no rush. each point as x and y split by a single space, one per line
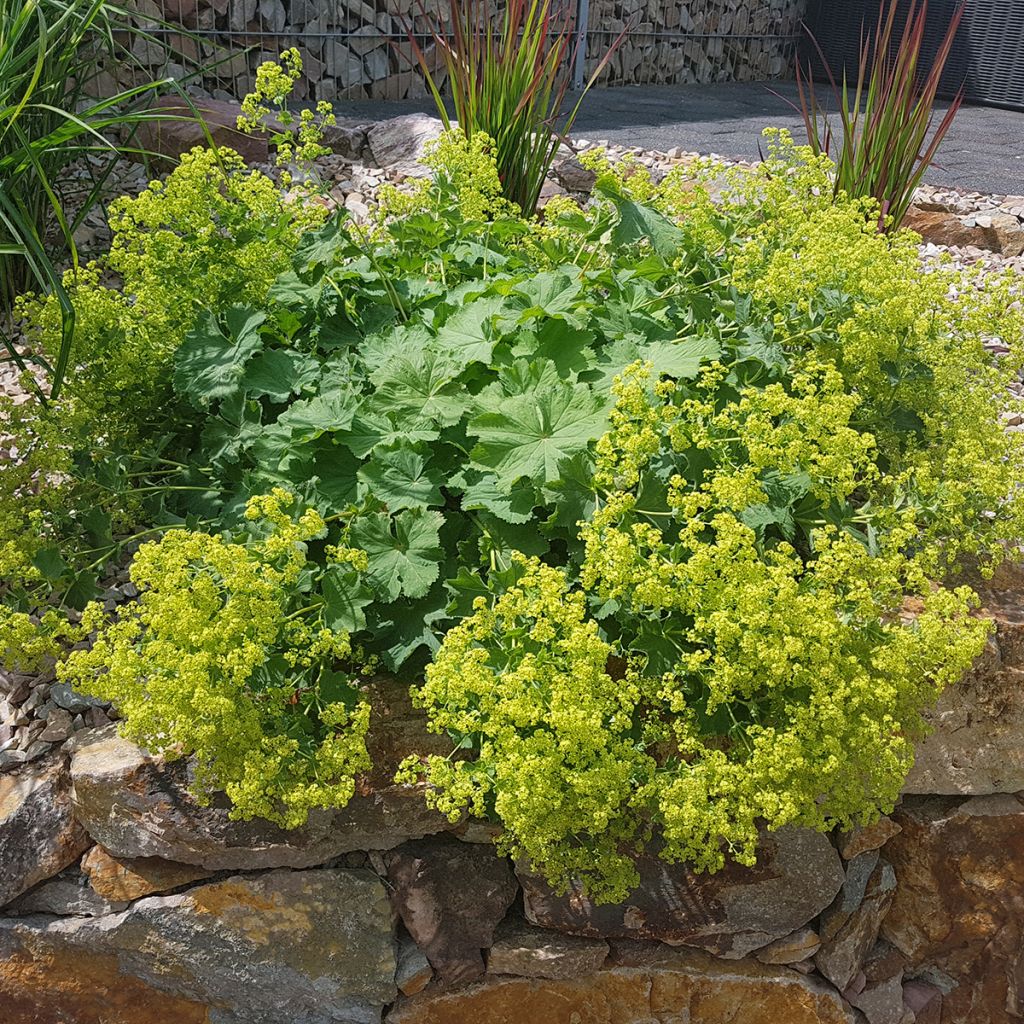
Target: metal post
579 73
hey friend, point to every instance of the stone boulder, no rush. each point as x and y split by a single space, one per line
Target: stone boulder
537 953
642 986
118 879
135 805
731 913
976 746
399 142
849 928
39 836
175 129
957 914
998 232
301 946
451 896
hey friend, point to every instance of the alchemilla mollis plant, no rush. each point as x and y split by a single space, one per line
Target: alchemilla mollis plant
659 503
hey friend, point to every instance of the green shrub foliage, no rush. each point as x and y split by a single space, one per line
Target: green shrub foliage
665 493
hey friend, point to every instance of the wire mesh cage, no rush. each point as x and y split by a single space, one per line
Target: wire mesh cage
359 49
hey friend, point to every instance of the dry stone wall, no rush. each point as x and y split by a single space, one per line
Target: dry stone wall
122 901
358 49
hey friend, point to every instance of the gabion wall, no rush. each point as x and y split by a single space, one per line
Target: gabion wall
359 49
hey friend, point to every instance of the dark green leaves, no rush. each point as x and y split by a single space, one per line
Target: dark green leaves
639 223
404 551
211 362
529 434
401 478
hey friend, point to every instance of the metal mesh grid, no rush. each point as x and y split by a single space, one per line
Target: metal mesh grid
358 49
987 59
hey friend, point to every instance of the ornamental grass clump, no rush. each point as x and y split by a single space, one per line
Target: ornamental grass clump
508 73
882 146
661 502
55 110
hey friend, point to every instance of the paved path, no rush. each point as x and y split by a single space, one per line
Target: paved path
983 152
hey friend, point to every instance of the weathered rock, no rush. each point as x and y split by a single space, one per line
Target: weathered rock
959 902
347 139
120 879
977 743
414 972
310 946
659 986
791 949
175 129
881 1002
68 893
878 990
1000 233
135 805
850 926
39 836
730 913
451 897
572 175
924 1001
869 837
398 143
535 953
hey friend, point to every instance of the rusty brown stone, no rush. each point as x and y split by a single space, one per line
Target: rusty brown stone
730 913
1003 233
538 953
867 838
43 985
451 896
121 879
659 986
175 129
136 805
39 836
791 949
315 946
959 902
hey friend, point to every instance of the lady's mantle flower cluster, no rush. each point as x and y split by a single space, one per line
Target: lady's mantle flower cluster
214 662
756 669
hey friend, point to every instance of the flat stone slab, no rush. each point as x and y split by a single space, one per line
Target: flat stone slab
314 947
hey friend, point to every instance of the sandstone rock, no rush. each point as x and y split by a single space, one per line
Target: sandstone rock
414 972
572 175
976 745
1001 232
398 142
451 897
138 806
924 1001
870 837
730 913
878 991
310 946
119 879
850 926
39 836
68 893
791 949
959 902
660 986
175 130
534 953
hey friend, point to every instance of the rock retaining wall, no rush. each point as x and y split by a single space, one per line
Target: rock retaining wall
125 902
358 49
